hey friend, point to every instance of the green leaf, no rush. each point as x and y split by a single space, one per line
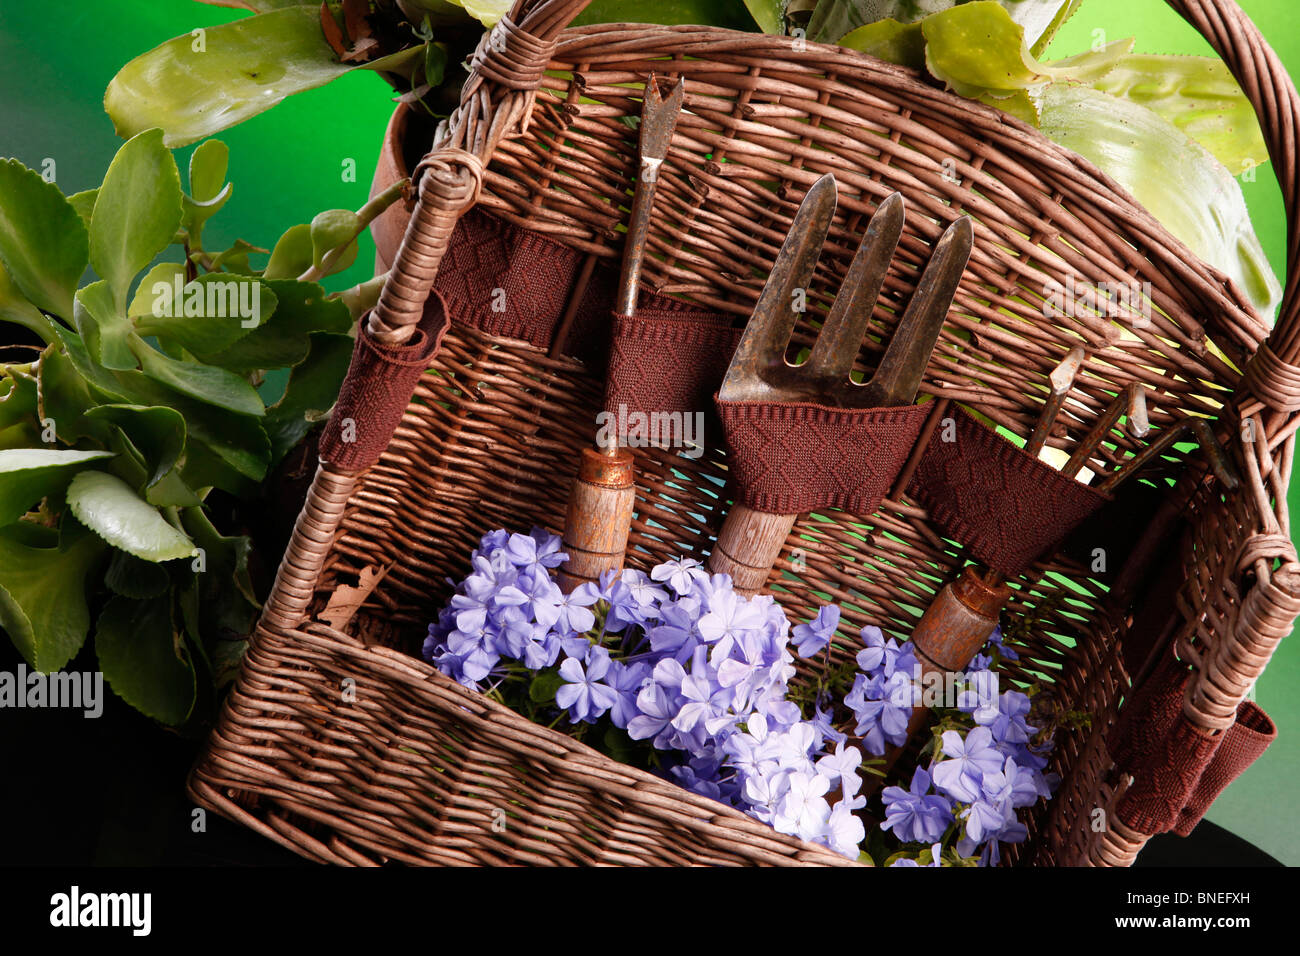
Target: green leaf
543 687
1092 65
207 383
1198 95
235 259
19 417
209 164
1175 178
104 328
768 14
15 308
43 242
889 40
249 65
149 289
144 660
833 19
312 391
29 474
227 604
109 507
435 64
137 212
292 255
43 592
330 230
84 203
977 47
209 190
66 396
157 432
284 340
708 13
210 314
130 577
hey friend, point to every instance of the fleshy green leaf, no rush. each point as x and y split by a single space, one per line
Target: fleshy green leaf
977 47
248 66
157 432
889 40
284 340
292 255
43 242
210 314
207 383
148 291
29 474
312 391
105 330
225 589
137 212
144 660
1175 178
1091 65
330 230
209 190
15 308
833 19
43 592
84 203
768 14
130 577
111 508
709 13
1198 95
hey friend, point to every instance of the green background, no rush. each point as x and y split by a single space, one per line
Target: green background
289 163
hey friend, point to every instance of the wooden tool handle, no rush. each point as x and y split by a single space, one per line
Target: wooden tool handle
599 518
951 632
748 546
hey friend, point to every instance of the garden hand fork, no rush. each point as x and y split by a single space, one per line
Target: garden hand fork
750 541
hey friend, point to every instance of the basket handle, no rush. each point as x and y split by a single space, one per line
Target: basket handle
496 101
1271 91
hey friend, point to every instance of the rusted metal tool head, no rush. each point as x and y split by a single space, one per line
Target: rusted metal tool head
658 121
759 370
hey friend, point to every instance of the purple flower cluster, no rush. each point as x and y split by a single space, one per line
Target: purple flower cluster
676 658
979 779
679 659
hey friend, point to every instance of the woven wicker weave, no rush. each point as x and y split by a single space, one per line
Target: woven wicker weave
411 767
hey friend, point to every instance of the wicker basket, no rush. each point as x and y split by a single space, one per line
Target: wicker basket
344 746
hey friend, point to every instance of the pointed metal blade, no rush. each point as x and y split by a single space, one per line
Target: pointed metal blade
899 376
841 334
658 121
768 332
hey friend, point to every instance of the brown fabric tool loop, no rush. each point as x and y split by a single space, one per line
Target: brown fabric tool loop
1008 508
377 389
663 361
795 457
1178 769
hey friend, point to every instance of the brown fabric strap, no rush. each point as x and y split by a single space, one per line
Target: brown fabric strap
1178 770
1007 507
1242 745
377 389
794 457
661 361
515 283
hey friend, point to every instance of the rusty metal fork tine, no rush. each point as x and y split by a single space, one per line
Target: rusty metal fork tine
899 374
1200 430
841 334
767 334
